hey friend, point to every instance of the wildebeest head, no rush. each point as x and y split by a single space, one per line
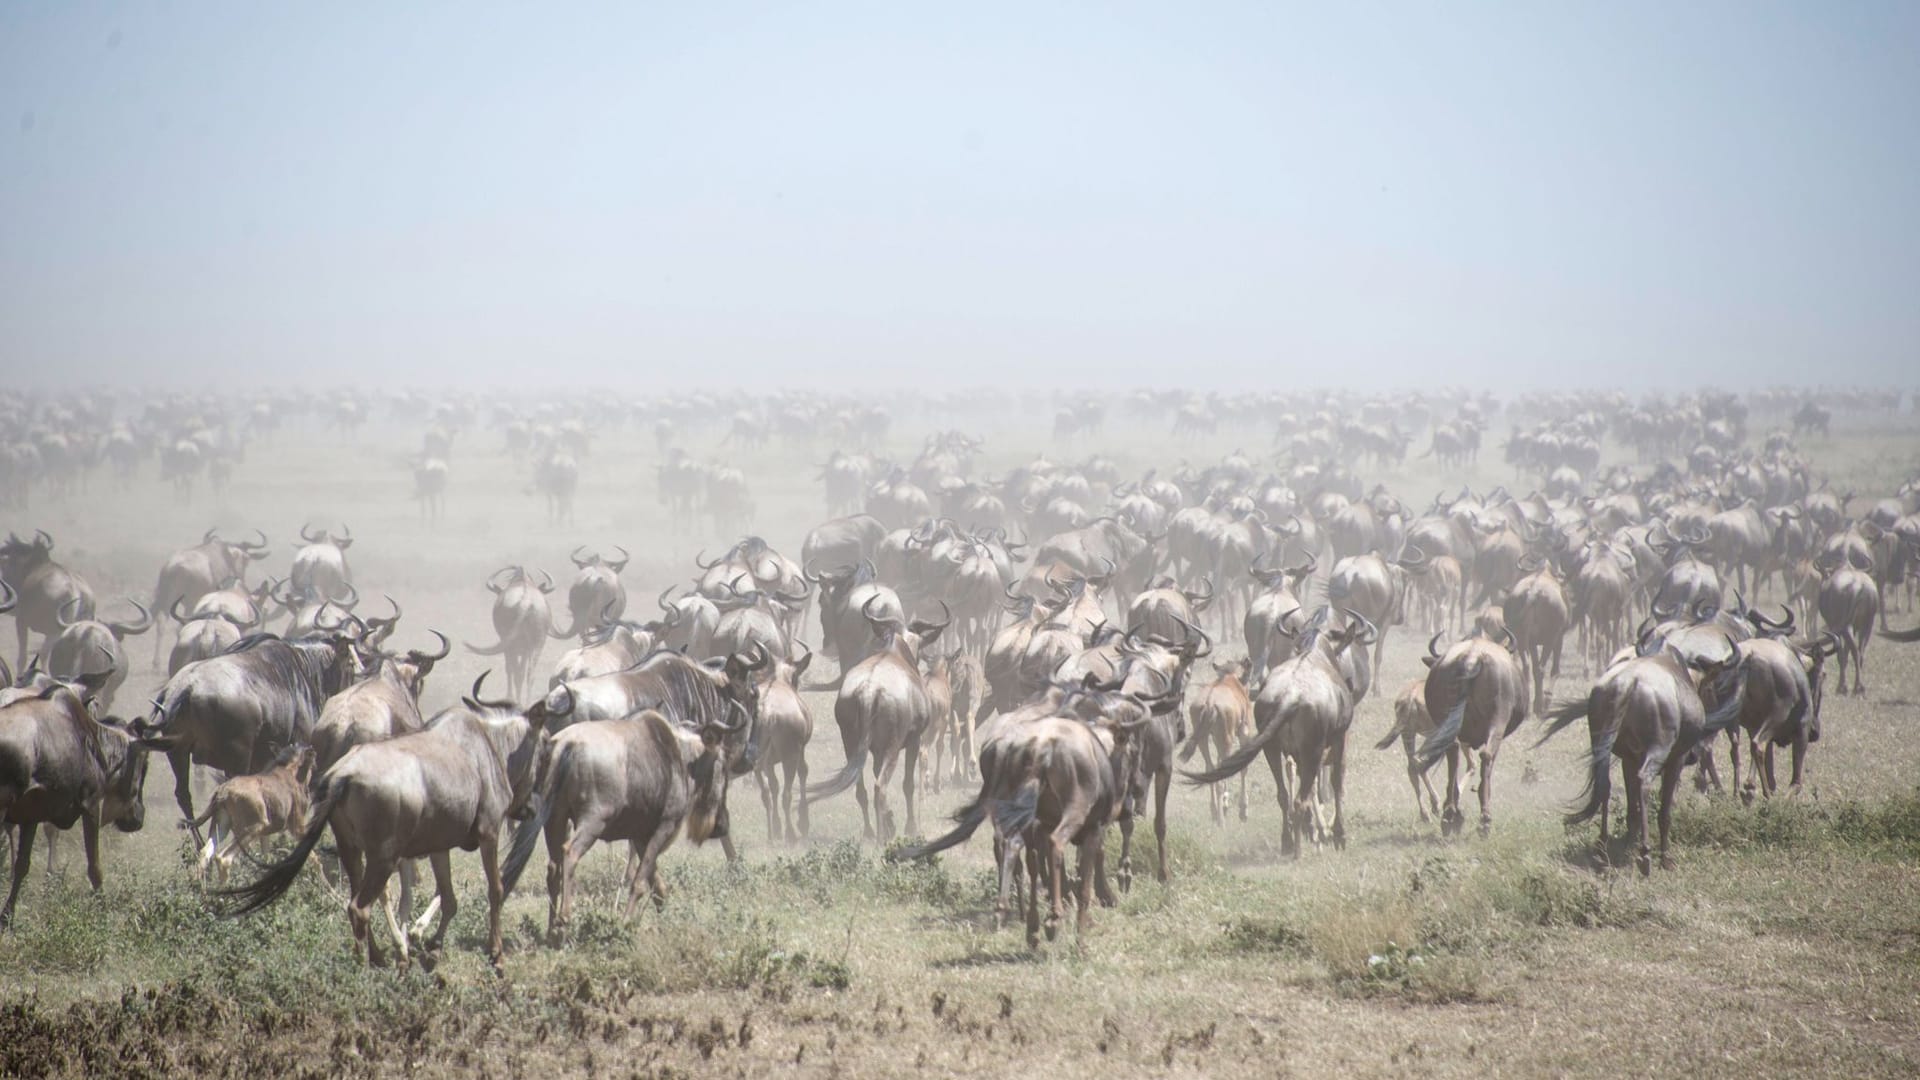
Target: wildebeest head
18 557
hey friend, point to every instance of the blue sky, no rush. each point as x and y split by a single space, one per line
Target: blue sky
885 194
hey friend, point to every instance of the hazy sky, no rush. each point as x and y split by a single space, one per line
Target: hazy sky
1230 194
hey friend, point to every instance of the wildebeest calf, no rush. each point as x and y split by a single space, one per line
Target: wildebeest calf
248 809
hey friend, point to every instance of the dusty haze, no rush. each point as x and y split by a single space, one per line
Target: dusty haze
1253 194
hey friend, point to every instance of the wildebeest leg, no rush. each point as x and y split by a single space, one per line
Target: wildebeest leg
860 796
1450 815
1213 790
797 770
1089 864
22 859
883 767
1415 775
20 634
649 876
181 761
1635 785
1337 781
1243 790
769 798
1125 872
908 786
1799 766
1009 860
556 839
1161 782
442 864
567 854
373 884
1036 870
1277 764
1669 780
496 895
1486 792
1733 765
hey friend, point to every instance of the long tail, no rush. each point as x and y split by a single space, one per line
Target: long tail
1599 778
967 819
1392 736
1241 757
1443 737
1727 714
1011 817
1562 715
212 804
842 780
278 878
487 650
528 833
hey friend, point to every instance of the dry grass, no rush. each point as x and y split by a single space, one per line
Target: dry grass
1785 941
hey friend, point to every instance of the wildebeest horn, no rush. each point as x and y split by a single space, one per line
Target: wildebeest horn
546 582
310 536
353 596
1369 633
390 620
1280 624
42 540
8 597
259 546
446 648
344 540
1433 644
616 567
72 602
700 560
577 560
664 593
1513 643
1204 646
474 699
140 626
765 657
320 617
1413 557
174 610
207 537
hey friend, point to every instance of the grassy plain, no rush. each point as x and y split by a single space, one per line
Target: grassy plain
1786 941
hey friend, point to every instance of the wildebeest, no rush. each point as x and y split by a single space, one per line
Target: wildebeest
1849 604
58 766
1410 723
1535 609
320 568
44 588
237 711
638 779
522 621
785 729
420 796
244 810
1274 615
690 623
883 711
192 573
1779 706
92 646
1476 695
1648 713
690 694
596 595
1302 714
607 648
1221 717
199 637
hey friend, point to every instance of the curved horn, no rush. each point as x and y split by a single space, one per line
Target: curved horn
1201 649
700 560
353 596
312 537
578 562
616 567
474 698
1433 644
8 598
43 541
130 629
446 648
664 604
72 602
259 545
173 610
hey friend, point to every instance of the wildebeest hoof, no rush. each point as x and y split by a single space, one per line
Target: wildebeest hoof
1053 929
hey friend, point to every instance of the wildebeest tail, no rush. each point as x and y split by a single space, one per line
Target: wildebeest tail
1011 817
1599 778
527 834
497 649
1563 714
279 877
1392 736
1727 714
1240 758
1448 732
967 820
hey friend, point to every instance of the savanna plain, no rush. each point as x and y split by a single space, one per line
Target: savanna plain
1785 940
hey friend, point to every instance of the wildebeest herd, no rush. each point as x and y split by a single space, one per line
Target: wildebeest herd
1058 637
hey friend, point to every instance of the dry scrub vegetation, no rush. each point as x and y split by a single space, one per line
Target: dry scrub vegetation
1786 941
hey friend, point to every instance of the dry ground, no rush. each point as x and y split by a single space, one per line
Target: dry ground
1786 941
